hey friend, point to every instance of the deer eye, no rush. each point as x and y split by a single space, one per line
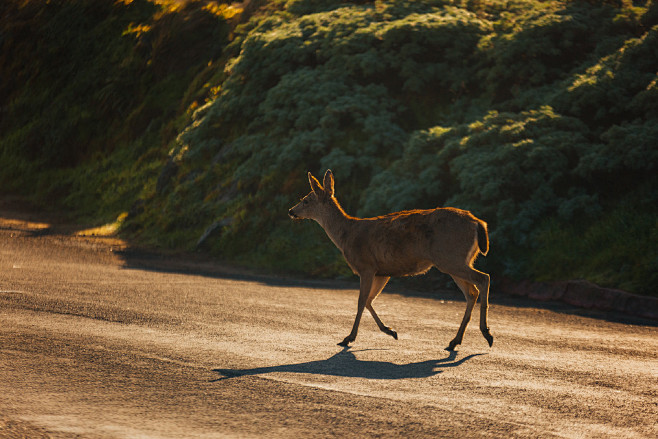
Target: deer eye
305 201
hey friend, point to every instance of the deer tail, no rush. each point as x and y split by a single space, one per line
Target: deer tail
483 237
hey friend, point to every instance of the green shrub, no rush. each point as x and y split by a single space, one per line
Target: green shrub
89 90
613 249
400 100
539 116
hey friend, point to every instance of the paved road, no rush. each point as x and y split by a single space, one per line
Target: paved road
97 340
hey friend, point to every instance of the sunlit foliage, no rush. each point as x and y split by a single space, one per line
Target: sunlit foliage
539 116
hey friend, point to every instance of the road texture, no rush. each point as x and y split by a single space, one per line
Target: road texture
100 340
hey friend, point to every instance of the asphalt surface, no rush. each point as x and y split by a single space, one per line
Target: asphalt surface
101 340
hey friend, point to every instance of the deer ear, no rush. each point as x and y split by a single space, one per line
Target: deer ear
329 183
315 184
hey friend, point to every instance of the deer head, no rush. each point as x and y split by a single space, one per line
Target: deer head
315 205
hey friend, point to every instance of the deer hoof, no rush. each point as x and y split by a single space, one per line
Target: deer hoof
488 337
345 342
392 333
451 346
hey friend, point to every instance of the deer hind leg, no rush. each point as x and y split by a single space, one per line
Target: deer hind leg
378 284
364 292
484 308
471 295
472 283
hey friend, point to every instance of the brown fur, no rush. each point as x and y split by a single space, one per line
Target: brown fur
403 244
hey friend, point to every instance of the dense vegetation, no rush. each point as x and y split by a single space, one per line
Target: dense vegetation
539 116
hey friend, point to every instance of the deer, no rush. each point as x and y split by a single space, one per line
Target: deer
405 243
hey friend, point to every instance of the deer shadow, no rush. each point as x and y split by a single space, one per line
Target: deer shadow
345 364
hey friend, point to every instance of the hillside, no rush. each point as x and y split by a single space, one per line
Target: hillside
203 117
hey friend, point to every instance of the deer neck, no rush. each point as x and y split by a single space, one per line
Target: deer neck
336 223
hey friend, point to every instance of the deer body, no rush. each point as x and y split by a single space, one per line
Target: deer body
403 244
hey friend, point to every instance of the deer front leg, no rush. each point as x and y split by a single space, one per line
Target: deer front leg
364 292
378 284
